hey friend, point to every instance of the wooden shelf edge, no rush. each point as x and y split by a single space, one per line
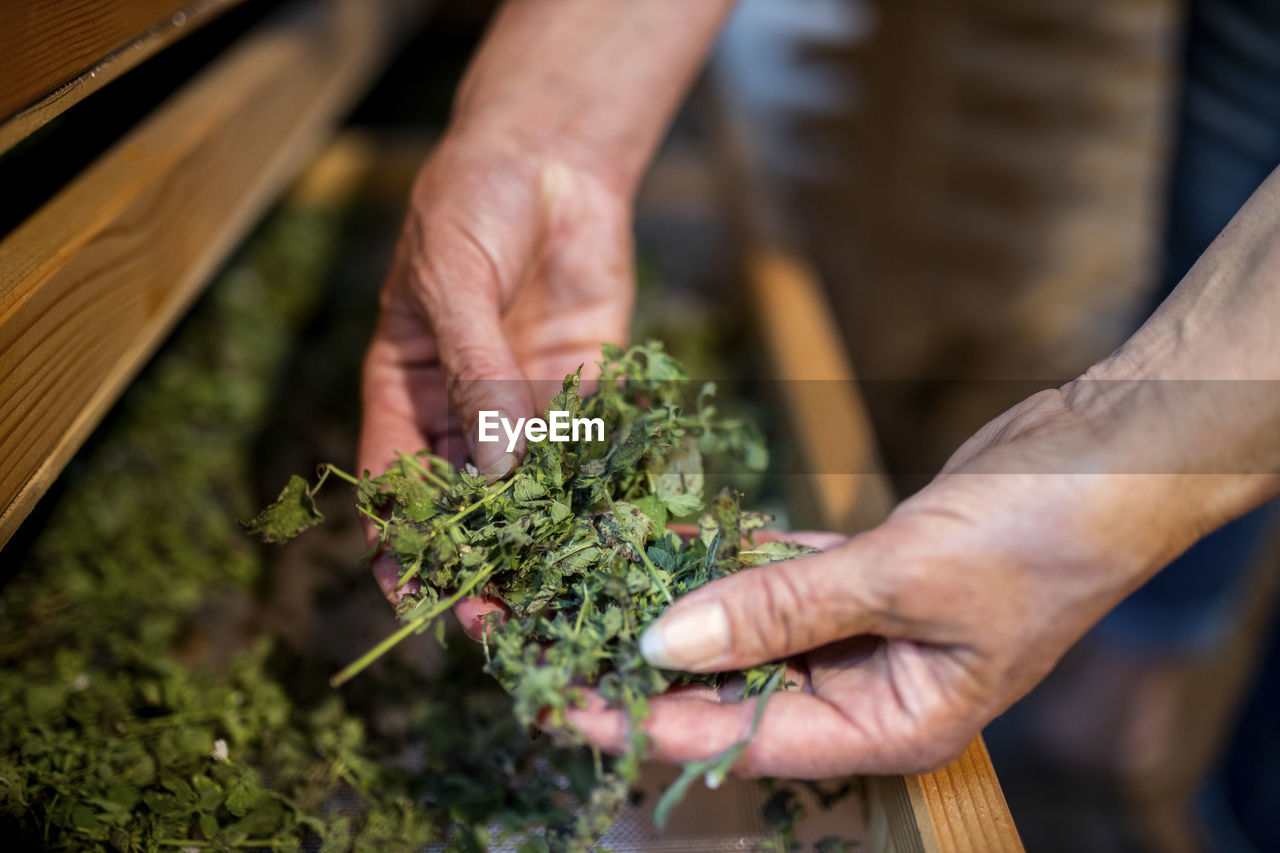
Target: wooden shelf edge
150 37
965 808
92 282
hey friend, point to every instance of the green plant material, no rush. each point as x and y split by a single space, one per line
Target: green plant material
292 513
115 740
575 544
784 809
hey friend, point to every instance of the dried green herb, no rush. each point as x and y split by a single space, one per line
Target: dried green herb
576 544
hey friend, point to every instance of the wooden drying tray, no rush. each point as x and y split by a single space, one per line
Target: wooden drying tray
93 281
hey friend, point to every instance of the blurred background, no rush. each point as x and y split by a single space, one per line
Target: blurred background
990 193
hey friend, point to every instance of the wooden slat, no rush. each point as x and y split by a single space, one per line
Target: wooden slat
961 807
54 53
95 279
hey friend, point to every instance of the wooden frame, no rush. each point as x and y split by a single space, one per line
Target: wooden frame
55 54
94 280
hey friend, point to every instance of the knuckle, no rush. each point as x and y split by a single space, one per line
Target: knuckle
470 361
773 603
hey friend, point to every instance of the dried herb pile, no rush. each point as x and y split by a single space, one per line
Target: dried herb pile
576 544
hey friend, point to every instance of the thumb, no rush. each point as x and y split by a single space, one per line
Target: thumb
767 613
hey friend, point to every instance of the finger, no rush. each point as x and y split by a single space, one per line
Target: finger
800 735
472 610
820 539
402 405
771 612
405 410
855 723
457 284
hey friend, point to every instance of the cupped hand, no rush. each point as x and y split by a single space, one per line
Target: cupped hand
512 266
906 640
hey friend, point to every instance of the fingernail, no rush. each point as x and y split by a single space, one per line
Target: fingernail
491 456
688 638
500 468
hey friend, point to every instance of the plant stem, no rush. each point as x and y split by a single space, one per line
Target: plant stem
360 664
327 469
425 470
382 524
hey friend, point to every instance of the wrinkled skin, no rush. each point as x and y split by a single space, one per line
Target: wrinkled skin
507 266
912 636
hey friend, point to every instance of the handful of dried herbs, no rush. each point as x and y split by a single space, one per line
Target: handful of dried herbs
576 544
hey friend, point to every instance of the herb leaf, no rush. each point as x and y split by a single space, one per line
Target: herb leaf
292 513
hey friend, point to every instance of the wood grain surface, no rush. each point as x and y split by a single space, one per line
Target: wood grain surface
54 53
93 281
966 809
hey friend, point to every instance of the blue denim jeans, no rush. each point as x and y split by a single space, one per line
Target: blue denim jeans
1228 127
1228 141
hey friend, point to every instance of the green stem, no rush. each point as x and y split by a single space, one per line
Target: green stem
327 469
410 572
716 768
653 570
425 470
582 610
584 546
382 524
360 664
462 513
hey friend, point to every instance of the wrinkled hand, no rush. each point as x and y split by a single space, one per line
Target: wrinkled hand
511 266
909 638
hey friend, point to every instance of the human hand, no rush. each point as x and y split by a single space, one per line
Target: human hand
513 265
907 639
515 259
